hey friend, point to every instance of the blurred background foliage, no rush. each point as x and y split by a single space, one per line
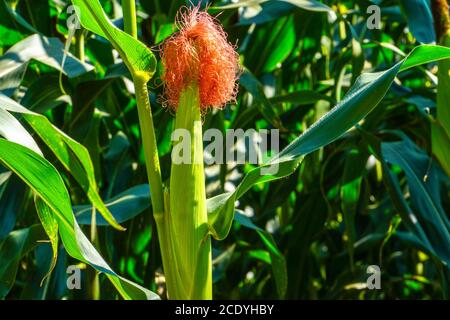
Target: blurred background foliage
309 236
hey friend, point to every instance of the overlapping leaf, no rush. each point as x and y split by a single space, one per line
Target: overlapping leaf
74 157
12 249
49 51
363 97
424 186
138 58
46 182
277 259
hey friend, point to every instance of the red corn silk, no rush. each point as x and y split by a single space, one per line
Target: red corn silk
199 54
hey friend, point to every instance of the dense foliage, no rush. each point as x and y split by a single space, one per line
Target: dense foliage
376 194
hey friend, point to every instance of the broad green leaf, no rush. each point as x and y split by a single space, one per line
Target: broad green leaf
44 94
424 187
350 191
12 249
12 198
31 168
39 17
424 54
49 51
252 85
269 46
74 156
83 97
17 18
420 19
311 216
124 206
270 10
411 239
164 32
138 58
42 257
10 34
302 97
363 97
280 47
50 224
393 187
277 259
12 129
310 5
157 7
428 228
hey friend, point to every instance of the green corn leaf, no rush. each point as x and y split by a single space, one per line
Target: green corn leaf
276 257
301 97
12 129
350 191
74 156
50 224
393 187
45 181
428 228
252 85
12 249
138 58
16 17
44 94
12 196
423 182
49 51
8 27
362 98
311 5
420 19
124 206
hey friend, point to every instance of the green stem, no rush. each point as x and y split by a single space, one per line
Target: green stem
93 284
93 280
159 199
153 173
150 145
80 45
129 17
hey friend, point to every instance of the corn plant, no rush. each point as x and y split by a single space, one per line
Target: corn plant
96 112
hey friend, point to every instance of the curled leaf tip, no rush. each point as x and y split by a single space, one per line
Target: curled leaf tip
199 54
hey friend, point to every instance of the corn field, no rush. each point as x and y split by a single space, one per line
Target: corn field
248 149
